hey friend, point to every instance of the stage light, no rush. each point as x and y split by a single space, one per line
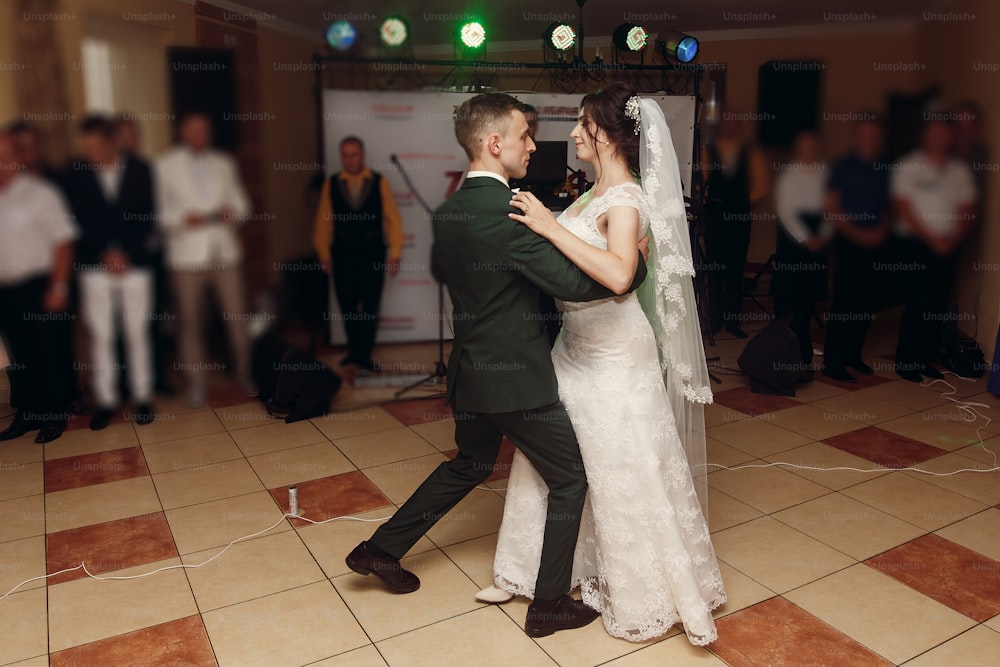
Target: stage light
341 35
560 37
473 35
629 37
679 46
394 31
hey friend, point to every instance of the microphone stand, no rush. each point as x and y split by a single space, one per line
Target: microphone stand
440 369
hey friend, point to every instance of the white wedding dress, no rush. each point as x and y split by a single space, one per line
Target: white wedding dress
644 557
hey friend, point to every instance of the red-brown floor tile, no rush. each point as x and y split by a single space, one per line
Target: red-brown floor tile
884 447
76 471
955 576
109 546
337 495
419 411
744 400
864 381
776 633
180 642
501 470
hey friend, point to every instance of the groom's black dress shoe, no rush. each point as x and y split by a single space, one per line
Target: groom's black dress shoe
386 568
18 428
565 614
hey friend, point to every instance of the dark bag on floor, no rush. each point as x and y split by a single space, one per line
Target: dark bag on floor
965 359
773 360
292 385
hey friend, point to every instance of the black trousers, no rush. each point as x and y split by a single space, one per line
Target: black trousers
39 346
358 278
727 239
546 437
928 285
856 286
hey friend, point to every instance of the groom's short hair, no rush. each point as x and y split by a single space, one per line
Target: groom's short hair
479 116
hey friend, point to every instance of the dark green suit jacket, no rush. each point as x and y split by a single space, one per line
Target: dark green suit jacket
494 268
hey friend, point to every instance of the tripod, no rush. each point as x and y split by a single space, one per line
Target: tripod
440 369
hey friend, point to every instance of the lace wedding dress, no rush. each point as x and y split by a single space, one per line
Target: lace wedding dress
644 557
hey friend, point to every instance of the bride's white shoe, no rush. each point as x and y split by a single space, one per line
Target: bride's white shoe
493 595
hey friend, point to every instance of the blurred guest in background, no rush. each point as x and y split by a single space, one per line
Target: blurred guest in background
202 203
857 198
111 196
358 235
972 149
800 269
36 257
736 179
934 196
27 140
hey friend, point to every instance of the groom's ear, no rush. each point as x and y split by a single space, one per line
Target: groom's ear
494 144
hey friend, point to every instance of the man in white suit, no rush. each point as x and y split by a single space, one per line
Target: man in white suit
202 204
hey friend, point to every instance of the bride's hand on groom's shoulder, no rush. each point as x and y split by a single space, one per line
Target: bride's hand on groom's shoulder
533 214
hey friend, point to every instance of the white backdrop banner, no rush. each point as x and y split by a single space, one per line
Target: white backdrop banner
417 128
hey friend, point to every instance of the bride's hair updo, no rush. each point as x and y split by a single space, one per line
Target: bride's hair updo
606 108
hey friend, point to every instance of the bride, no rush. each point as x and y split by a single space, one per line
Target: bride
632 375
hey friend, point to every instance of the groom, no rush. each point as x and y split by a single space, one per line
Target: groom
500 376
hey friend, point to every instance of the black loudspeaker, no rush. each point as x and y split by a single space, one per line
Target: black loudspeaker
773 361
204 80
292 385
787 101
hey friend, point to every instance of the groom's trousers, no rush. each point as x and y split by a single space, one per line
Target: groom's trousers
546 438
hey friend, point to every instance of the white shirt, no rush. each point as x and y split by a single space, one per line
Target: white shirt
34 221
801 189
110 178
476 173
935 193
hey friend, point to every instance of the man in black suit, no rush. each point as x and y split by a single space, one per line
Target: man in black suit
500 376
111 196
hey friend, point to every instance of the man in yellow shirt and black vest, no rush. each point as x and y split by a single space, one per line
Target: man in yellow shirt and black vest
358 236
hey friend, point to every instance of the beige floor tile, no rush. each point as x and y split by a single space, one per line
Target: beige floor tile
294 627
766 489
725 511
487 635
866 409
775 555
21 451
674 651
190 453
99 503
916 501
827 458
982 486
980 533
381 447
717 414
444 592
721 454
907 394
812 392
22 517
300 464
400 479
40 661
987 452
330 542
356 422
21 560
757 437
118 435
124 605
438 432
885 615
478 514
475 558
979 647
847 525
943 427
814 423
21 479
366 656
188 425
213 481
216 524
741 591
244 415
252 569
25 630
276 437
993 623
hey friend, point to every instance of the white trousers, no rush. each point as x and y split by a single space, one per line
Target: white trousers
128 298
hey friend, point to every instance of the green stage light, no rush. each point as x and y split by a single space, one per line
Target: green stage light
629 37
473 35
560 36
394 31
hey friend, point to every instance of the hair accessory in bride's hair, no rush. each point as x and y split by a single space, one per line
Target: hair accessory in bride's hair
632 110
